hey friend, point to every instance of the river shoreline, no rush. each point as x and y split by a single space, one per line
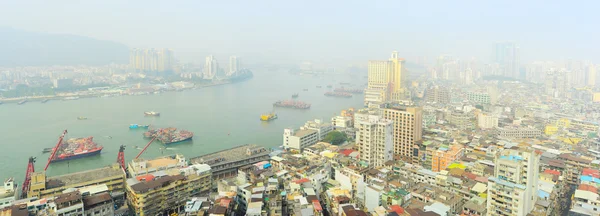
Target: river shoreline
87 94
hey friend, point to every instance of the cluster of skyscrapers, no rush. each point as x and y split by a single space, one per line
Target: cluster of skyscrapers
151 60
211 67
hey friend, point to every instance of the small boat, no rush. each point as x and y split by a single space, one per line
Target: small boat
319 86
268 117
151 113
22 102
82 118
45 100
137 126
47 150
329 86
305 89
295 95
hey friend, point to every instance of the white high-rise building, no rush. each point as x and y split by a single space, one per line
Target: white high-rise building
234 65
374 139
211 67
591 76
514 189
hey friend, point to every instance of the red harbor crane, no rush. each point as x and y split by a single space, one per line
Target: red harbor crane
145 147
121 158
27 181
55 149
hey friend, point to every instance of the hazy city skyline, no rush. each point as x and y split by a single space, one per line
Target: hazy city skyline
322 32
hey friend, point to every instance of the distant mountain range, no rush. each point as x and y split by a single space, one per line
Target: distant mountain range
24 48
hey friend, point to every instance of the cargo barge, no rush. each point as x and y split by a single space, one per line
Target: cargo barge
75 148
338 94
169 135
349 90
292 104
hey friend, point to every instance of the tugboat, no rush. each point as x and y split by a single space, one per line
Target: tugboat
268 117
295 95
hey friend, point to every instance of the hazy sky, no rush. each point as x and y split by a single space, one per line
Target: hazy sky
323 31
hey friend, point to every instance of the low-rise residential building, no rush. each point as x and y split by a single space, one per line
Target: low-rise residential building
487 121
99 205
8 193
47 187
142 166
444 156
510 132
68 204
322 128
299 139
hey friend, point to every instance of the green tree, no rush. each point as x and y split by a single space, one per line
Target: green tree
335 137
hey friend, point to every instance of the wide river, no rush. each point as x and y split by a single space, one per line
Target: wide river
221 117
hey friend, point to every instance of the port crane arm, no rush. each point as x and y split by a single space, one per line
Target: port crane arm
55 149
27 181
145 147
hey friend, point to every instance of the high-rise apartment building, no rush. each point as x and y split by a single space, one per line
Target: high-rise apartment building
591 75
151 60
374 139
408 123
513 189
437 94
167 191
234 65
507 56
211 67
386 80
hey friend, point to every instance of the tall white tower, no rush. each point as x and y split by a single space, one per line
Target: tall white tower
210 67
234 65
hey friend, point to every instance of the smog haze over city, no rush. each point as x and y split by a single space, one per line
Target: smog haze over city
313 108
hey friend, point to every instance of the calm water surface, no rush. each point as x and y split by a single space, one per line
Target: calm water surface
221 117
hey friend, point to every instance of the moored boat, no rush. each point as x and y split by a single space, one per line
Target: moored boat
295 95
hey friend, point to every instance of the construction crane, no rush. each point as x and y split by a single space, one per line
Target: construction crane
152 140
60 139
27 181
121 158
